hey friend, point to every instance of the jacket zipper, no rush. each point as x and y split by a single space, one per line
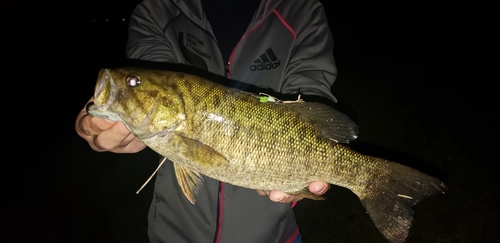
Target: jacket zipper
220 199
220 206
228 65
227 72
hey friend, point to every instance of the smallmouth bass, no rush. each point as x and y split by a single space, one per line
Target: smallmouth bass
206 128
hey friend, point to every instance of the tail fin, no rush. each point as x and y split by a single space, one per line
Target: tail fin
390 208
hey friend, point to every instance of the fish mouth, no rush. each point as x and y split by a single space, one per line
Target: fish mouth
104 96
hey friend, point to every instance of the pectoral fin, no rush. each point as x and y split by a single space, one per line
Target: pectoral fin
189 181
200 153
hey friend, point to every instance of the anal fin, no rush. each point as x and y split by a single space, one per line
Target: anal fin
305 193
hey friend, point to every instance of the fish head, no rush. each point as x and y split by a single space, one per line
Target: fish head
139 98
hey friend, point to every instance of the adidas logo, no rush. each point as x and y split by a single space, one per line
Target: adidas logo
266 61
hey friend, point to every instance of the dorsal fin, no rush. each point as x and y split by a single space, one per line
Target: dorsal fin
333 124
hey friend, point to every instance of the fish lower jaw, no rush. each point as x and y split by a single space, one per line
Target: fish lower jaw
103 113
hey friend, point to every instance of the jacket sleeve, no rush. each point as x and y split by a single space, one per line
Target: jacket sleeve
146 39
311 68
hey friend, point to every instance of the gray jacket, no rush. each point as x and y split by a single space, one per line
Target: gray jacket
288 47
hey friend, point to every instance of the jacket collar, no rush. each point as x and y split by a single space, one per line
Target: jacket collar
193 9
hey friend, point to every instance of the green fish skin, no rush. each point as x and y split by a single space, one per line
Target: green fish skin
206 128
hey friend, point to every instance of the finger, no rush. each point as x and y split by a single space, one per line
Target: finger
91 126
112 138
121 128
95 141
130 146
319 187
126 141
81 125
97 125
279 196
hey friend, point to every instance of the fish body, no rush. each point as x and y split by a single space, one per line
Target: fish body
206 128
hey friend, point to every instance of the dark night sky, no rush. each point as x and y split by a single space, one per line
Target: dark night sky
450 34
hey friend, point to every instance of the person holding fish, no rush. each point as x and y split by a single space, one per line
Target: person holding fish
282 45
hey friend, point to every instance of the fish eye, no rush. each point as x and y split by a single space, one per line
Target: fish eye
133 80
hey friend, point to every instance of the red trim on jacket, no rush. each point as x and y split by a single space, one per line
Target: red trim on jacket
283 21
285 24
228 74
219 217
294 235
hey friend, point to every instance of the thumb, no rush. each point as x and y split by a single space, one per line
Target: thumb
318 187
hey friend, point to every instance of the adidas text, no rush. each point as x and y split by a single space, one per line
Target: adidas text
265 66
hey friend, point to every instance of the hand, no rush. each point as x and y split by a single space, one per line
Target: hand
105 135
317 187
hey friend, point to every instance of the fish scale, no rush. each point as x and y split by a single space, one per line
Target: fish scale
206 128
